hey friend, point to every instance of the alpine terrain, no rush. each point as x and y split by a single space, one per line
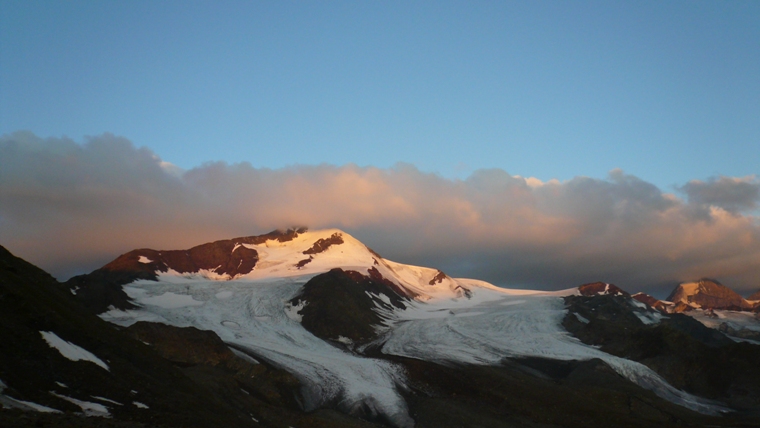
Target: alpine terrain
307 328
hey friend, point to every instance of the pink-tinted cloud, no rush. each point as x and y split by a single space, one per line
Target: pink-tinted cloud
71 208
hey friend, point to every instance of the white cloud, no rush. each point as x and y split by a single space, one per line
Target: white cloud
71 208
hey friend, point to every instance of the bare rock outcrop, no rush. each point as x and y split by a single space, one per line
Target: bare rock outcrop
708 294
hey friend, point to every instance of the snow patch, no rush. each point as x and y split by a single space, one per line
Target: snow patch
345 340
140 405
144 259
107 400
242 355
638 304
381 296
649 318
13 403
88 408
581 318
292 311
71 351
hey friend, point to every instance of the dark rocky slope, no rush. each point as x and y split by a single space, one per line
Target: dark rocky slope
541 393
31 301
337 304
687 354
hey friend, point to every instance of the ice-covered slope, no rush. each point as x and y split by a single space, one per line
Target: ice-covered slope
442 319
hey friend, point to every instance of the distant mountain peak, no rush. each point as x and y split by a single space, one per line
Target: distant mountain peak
652 301
708 294
601 288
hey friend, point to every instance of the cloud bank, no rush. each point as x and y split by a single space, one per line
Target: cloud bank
71 208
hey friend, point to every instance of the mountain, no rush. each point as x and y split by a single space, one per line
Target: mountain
707 294
688 354
58 359
600 289
715 306
755 296
313 328
653 302
62 366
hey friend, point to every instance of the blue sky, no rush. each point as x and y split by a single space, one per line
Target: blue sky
667 91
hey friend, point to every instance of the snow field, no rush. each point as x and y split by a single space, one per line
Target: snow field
499 326
737 319
254 319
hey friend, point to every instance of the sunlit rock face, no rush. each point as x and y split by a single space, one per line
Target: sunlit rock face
601 288
754 300
707 294
227 258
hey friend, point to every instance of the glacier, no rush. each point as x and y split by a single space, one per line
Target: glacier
484 325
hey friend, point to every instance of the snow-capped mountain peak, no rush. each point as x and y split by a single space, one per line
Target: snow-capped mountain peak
312 303
292 253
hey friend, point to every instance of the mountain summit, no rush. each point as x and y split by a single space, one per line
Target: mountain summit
279 254
708 294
